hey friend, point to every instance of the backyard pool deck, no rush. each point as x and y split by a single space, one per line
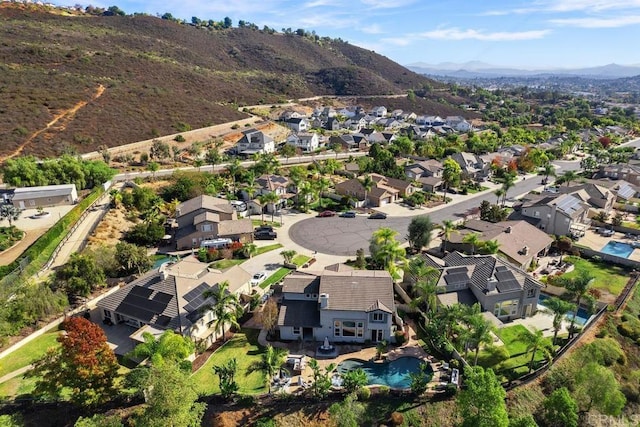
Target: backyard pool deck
595 241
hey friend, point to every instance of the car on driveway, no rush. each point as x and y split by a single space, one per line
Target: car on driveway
265 235
348 214
258 278
324 214
378 215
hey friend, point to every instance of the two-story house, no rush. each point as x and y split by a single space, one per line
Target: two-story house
342 306
254 141
383 192
627 172
595 195
174 297
472 165
297 124
306 142
207 218
379 111
500 288
558 215
458 123
274 184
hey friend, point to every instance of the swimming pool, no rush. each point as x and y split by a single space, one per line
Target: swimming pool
581 319
394 374
621 249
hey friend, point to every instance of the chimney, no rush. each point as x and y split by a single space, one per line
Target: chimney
491 284
324 301
525 250
508 229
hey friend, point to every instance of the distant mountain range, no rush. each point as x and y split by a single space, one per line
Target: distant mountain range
478 69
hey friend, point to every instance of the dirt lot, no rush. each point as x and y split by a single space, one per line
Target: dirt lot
111 229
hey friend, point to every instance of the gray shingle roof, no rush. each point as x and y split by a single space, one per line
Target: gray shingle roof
357 290
299 313
301 283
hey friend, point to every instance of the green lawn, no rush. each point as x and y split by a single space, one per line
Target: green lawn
520 357
275 277
223 264
28 353
607 276
244 348
301 260
17 386
631 224
264 249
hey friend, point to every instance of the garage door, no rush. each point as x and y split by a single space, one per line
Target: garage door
384 202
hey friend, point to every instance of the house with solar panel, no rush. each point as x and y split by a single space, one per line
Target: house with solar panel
559 215
501 289
341 305
172 297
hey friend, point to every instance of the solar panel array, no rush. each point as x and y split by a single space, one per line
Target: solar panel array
569 205
196 298
138 305
506 280
626 192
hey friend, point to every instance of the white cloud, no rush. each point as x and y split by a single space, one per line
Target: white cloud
318 3
564 6
614 22
471 34
386 4
372 29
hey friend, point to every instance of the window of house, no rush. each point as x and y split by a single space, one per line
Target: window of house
536 214
531 293
377 317
348 328
107 314
296 330
308 295
336 328
207 227
506 308
32 202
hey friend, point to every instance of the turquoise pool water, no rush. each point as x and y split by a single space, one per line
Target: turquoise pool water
621 249
161 261
394 374
581 318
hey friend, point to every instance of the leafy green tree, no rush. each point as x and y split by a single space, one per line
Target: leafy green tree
169 347
361 261
287 150
321 379
83 363
23 172
597 388
354 380
226 374
99 420
481 403
170 399
159 150
145 234
490 247
348 413
508 182
451 173
420 229
472 239
132 258
560 409
420 380
153 168
80 275
271 360
10 213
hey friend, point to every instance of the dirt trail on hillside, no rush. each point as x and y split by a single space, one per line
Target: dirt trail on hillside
65 114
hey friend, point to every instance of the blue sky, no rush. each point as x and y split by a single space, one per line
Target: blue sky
528 34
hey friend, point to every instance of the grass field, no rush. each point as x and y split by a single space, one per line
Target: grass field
512 338
9 236
301 260
607 276
223 264
275 277
28 353
264 249
244 348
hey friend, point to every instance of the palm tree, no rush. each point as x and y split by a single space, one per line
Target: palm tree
323 185
225 307
386 250
305 189
449 315
250 250
424 288
578 286
490 246
569 176
558 308
548 170
170 209
233 168
507 184
535 341
481 329
448 227
169 346
499 193
270 198
288 255
472 239
367 184
270 362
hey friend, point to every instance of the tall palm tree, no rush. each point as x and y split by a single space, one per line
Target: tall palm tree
271 198
449 315
288 255
507 184
480 334
249 249
424 288
323 185
367 184
578 286
225 307
386 250
234 168
448 227
535 341
305 189
169 346
270 362
559 309
472 239
499 193
548 170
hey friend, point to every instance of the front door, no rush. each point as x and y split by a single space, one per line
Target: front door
377 335
528 310
21 204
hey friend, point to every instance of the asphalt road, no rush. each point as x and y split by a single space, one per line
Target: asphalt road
343 236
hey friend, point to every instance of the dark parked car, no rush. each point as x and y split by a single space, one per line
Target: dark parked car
265 235
378 215
349 214
324 214
264 228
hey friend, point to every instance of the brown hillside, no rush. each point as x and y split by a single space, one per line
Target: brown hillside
76 81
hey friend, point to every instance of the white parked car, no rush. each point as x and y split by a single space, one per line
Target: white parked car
258 278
